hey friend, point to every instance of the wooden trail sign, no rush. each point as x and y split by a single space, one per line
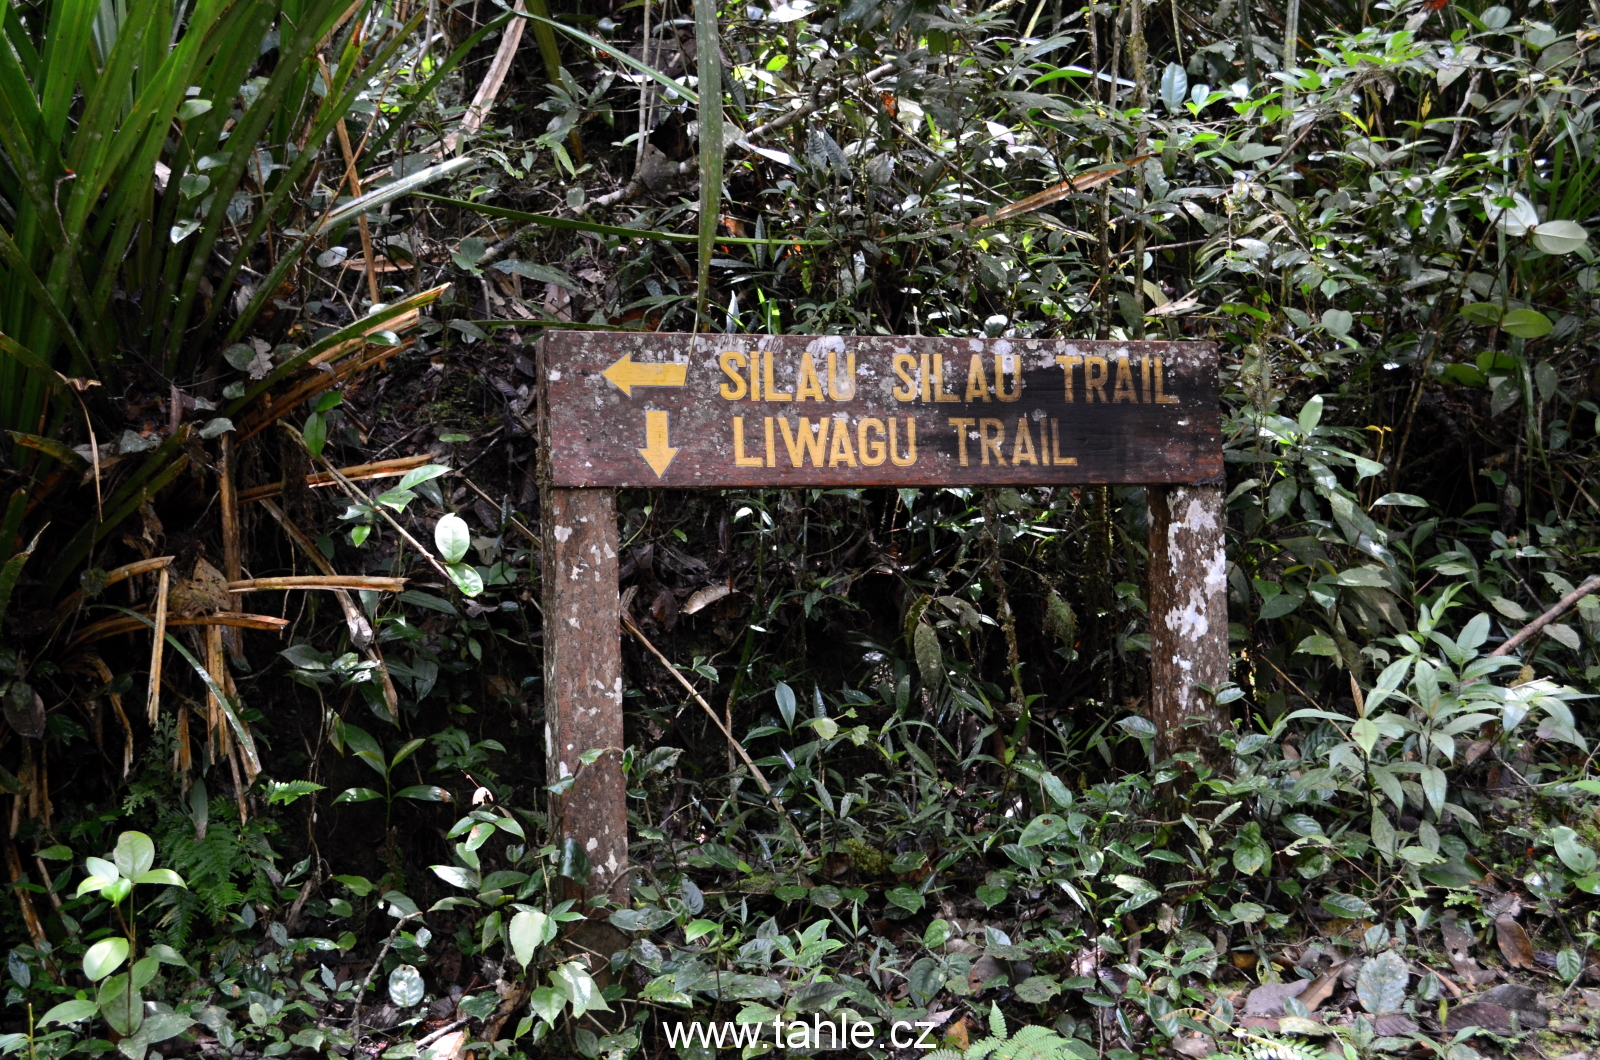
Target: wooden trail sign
710 411
713 411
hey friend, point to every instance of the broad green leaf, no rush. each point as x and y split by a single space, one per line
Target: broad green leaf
547 1003
1559 237
69 1012
528 931
1483 314
1569 965
418 475
907 898
930 660
423 793
1381 983
1247 912
1576 855
104 957
466 577
1365 733
405 986
357 795
1311 411
786 703
1348 906
1174 87
452 537
134 854
1318 644
161 876
581 991
1526 324
1302 824
1042 829
1338 323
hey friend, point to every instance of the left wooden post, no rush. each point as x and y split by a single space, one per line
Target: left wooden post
583 679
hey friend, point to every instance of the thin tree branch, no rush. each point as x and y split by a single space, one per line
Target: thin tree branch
1591 585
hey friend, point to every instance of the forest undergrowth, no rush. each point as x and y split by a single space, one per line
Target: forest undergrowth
271 654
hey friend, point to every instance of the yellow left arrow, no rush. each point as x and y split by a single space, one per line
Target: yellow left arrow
625 374
656 452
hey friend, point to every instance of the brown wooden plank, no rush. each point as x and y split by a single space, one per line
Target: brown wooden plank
583 679
708 411
1188 617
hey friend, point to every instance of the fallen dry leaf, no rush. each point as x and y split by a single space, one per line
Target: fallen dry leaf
1515 946
1269 998
1393 1025
1496 1019
1320 990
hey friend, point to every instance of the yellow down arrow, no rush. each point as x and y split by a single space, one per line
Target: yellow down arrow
625 375
656 452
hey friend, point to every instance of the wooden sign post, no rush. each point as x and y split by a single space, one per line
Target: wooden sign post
714 411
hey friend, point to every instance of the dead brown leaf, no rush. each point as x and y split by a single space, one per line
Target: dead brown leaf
1515 945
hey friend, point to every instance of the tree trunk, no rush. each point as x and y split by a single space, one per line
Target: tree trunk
1188 618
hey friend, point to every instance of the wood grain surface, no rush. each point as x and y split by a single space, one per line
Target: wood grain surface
684 411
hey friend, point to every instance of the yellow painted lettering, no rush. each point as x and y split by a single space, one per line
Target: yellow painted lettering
772 452
809 441
960 424
977 382
988 443
1000 390
734 390
872 450
841 452
1069 361
739 459
1022 447
809 386
1055 447
1124 390
1144 374
911 444
938 380
904 365
1095 372
773 393
926 376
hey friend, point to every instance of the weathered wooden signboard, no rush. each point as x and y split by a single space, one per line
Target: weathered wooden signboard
714 411
710 411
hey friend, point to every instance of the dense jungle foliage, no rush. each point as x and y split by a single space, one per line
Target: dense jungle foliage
271 275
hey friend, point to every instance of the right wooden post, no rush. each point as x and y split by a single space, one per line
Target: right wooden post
1188 617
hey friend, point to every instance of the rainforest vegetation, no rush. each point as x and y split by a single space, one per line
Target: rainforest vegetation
272 276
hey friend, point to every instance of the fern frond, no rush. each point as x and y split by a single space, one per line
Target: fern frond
1257 1047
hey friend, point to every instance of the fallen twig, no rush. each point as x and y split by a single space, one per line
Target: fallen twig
131 623
157 645
355 473
361 991
489 88
360 629
529 534
454 1025
358 582
1511 643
